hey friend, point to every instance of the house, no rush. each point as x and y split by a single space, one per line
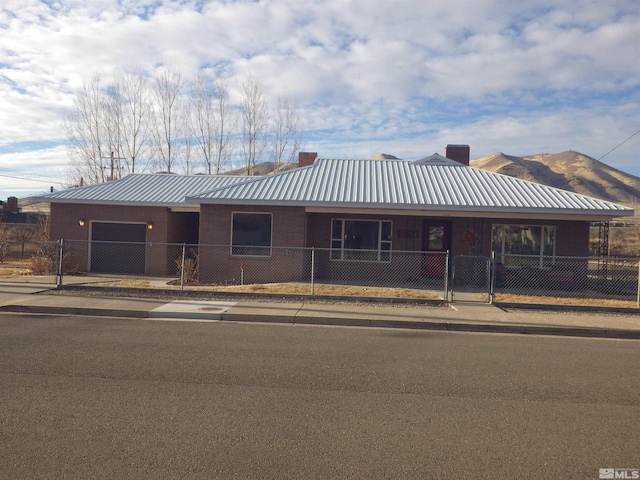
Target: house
351 211
21 223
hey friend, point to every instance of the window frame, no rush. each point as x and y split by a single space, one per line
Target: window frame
337 242
553 232
233 246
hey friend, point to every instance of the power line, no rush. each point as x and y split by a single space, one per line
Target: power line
614 148
18 177
619 145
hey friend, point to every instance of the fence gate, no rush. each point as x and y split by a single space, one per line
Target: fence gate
470 279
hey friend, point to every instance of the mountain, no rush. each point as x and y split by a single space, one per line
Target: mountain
568 170
264 168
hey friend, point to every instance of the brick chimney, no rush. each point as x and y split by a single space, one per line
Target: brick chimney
306 158
11 206
459 153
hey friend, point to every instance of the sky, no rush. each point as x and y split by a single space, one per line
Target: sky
402 77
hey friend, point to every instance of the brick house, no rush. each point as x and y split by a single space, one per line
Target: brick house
352 211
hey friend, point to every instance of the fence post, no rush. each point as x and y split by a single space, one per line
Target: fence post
313 262
446 277
493 277
638 296
184 247
60 256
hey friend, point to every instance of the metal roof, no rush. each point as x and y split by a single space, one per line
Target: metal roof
432 184
155 189
404 185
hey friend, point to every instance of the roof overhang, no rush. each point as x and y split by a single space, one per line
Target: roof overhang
523 215
440 211
175 207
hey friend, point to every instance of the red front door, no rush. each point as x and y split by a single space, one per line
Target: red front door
436 237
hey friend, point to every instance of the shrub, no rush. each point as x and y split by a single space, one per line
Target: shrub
41 265
190 270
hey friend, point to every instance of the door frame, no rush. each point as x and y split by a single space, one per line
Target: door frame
435 266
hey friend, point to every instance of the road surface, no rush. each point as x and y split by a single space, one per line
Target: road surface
85 397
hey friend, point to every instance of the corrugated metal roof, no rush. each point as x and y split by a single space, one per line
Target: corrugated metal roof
144 189
428 184
401 184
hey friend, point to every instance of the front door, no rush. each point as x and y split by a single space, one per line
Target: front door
436 237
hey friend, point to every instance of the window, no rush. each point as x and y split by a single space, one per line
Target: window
361 240
527 240
251 234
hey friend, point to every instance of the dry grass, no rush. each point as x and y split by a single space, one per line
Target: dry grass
14 266
333 290
574 301
291 289
128 283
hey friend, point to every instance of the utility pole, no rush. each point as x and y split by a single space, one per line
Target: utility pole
112 157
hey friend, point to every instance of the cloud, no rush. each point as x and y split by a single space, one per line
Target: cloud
33 171
500 75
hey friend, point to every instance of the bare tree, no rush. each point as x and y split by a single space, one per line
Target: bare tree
108 130
286 132
87 133
254 122
189 161
212 123
203 124
226 124
169 122
120 128
133 106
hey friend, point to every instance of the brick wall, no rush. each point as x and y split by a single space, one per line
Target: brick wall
64 225
218 265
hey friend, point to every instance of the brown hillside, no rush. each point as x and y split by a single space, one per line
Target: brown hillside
264 168
568 170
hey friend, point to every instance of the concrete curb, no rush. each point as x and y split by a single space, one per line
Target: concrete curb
565 308
439 326
302 319
90 312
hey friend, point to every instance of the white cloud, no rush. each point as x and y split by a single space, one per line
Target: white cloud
500 75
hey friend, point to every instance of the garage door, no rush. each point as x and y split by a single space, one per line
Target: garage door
118 247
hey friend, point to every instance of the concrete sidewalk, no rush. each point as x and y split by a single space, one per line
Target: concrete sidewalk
469 317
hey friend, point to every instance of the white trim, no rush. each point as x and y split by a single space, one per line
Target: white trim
231 245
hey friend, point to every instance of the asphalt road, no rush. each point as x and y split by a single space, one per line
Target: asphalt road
120 398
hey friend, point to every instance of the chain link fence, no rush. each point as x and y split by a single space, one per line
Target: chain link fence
315 271
470 278
611 281
311 271
27 261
